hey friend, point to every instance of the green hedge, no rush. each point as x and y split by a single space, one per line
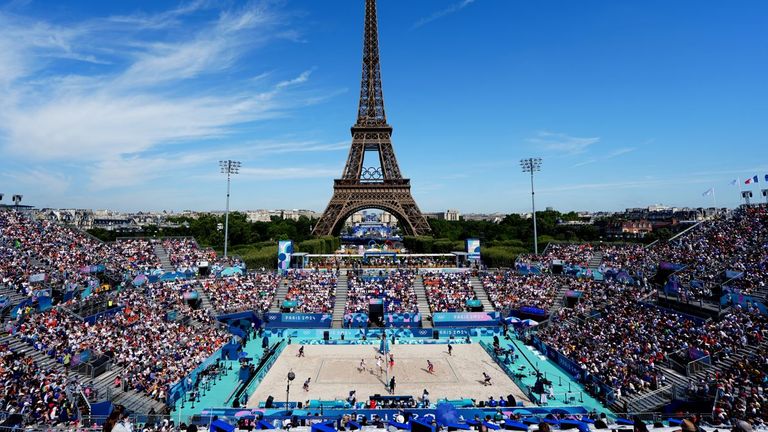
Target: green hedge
500 256
321 245
425 244
256 257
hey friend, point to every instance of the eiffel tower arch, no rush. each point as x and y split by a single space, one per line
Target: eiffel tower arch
381 187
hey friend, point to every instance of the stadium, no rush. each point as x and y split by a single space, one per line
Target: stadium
160 333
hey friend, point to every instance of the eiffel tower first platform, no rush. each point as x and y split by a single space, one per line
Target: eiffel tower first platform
380 187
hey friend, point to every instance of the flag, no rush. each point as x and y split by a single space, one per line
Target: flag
748 181
766 177
708 192
754 179
734 181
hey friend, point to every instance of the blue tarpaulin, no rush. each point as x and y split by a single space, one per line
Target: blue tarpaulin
221 426
510 424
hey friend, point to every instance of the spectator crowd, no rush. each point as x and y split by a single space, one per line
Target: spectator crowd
448 292
395 288
252 291
312 292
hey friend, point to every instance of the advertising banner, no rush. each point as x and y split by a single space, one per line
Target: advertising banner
297 320
473 249
422 333
284 252
451 319
405 319
356 320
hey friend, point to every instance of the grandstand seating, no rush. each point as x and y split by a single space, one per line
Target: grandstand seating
448 292
396 289
311 291
643 352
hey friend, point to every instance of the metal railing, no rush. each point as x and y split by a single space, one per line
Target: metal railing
695 366
666 392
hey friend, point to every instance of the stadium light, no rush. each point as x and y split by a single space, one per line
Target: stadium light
531 165
17 199
230 168
1 196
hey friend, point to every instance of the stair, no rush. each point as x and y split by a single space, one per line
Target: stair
421 298
14 298
205 301
341 300
674 377
165 260
559 301
480 293
644 402
595 261
282 291
103 384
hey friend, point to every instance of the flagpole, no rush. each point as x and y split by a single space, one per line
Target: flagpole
714 198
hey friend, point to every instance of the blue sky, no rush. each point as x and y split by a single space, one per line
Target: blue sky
130 105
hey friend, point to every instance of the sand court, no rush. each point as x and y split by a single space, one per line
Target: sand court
335 370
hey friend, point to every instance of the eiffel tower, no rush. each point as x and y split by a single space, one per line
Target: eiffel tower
381 187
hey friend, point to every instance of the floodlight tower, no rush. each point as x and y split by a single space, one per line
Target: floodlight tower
531 165
230 168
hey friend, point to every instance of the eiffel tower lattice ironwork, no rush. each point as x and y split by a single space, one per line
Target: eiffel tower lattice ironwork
380 187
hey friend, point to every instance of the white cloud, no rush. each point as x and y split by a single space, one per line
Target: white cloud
607 156
130 171
38 178
304 77
562 143
290 172
441 13
148 97
101 126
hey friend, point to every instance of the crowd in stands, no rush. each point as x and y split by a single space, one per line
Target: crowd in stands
615 256
41 245
313 292
15 270
154 352
252 291
509 290
607 332
371 261
622 345
734 242
184 253
448 292
394 288
139 253
741 390
42 396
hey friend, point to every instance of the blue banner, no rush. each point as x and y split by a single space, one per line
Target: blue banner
356 320
406 319
455 332
530 310
473 249
284 252
305 320
525 269
422 333
448 319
